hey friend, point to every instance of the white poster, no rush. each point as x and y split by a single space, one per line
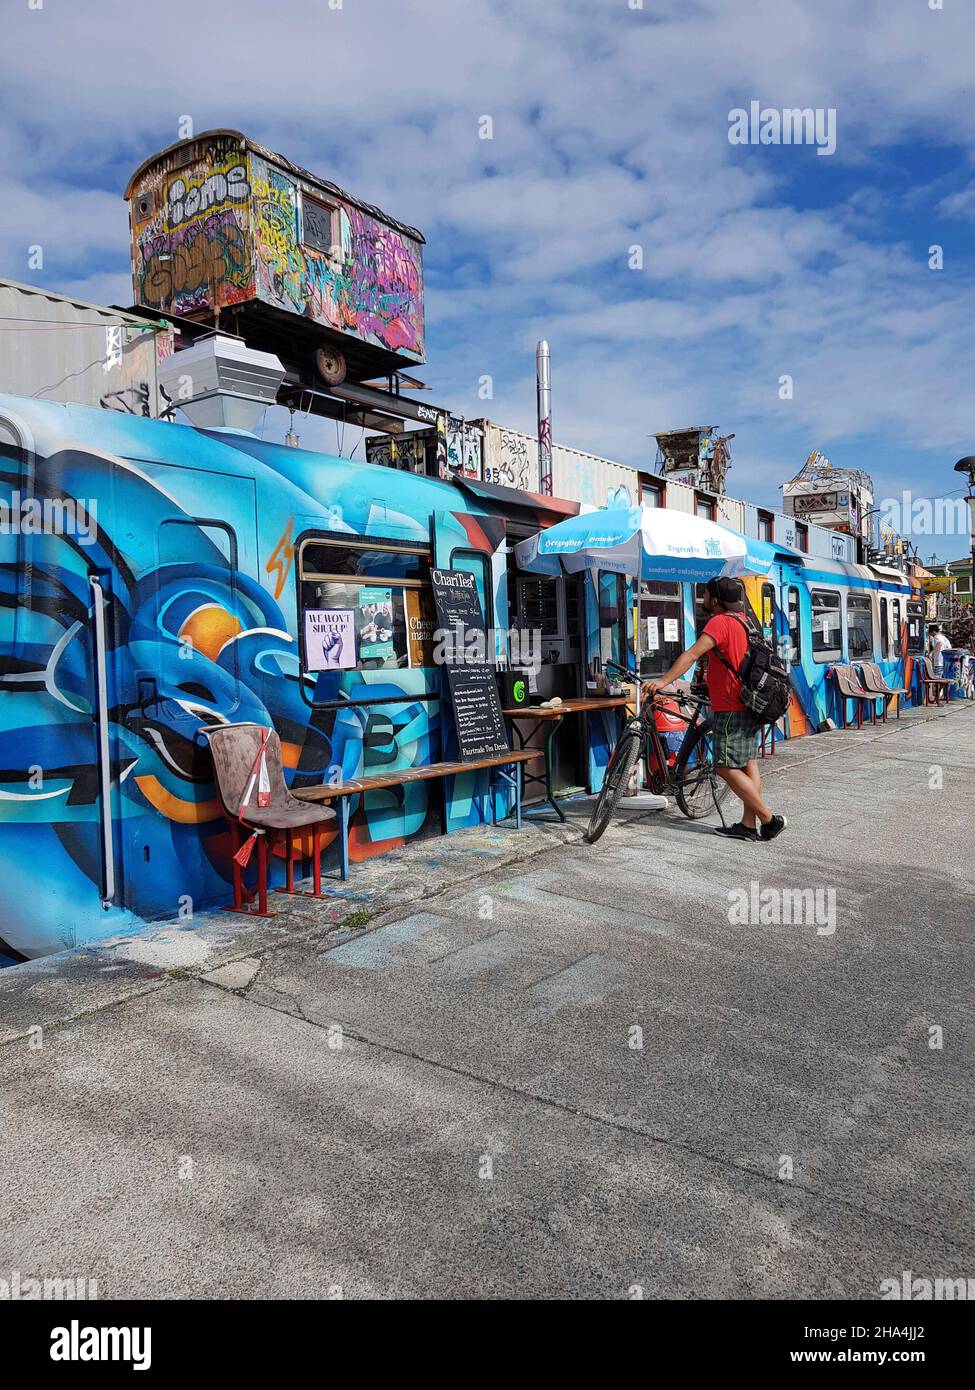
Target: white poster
329 639
653 635
670 630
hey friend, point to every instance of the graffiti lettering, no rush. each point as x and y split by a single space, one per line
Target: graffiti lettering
188 267
131 400
189 201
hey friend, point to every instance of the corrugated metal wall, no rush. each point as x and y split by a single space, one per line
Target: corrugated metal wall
511 458
67 351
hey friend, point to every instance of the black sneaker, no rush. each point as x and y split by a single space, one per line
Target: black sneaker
737 832
775 827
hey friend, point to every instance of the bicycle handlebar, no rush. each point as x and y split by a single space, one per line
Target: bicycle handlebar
689 696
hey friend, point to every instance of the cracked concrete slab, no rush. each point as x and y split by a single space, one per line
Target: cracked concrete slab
562 1070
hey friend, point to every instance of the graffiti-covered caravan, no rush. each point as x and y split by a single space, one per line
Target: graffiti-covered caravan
225 231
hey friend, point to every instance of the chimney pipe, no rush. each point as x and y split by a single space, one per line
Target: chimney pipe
543 373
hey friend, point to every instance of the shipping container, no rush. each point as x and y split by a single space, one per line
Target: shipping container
101 356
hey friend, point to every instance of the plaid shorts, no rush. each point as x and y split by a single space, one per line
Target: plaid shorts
734 738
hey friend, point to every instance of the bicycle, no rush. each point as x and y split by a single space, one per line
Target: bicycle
692 778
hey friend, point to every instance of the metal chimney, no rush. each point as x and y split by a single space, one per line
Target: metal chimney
219 381
543 373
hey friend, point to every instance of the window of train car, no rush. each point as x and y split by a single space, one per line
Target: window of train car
827 625
895 629
379 601
859 626
768 612
915 628
795 635
613 634
661 626
884 626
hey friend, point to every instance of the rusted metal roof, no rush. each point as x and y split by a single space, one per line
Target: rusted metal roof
296 169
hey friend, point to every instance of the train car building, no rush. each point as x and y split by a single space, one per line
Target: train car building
168 594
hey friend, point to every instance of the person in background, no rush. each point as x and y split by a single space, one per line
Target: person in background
735 733
938 644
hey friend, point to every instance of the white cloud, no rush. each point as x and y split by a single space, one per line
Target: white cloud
610 128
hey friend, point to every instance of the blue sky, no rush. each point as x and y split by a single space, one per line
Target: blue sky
610 129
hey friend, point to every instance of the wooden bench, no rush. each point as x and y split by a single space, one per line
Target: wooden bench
340 792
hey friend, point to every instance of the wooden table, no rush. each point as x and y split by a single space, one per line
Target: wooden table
550 719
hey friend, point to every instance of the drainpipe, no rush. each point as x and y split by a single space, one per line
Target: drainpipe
543 372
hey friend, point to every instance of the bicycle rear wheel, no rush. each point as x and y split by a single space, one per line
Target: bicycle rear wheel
618 771
698 790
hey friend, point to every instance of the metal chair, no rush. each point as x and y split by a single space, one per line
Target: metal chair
849 688
941 685
237 750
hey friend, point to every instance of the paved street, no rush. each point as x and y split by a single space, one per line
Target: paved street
513 1065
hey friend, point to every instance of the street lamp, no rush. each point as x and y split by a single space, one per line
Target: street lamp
967 465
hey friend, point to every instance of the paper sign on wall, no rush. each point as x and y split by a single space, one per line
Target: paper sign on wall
329 639
653 635
670 630
421 622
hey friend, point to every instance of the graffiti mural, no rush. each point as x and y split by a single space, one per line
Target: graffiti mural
203 264
217 222
368 282
201 627
513 461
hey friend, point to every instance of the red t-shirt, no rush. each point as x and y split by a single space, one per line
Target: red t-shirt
727 630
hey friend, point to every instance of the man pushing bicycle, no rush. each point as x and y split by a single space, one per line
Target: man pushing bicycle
734 729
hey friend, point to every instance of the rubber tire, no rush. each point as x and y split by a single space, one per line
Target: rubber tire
618 771
691 811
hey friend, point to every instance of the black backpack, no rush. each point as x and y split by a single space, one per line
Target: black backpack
762 675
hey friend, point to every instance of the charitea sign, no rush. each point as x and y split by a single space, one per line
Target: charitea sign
473 686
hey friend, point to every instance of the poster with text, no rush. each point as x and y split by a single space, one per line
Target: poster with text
329 639
375 624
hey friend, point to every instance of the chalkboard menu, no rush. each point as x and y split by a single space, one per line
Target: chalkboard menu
473 686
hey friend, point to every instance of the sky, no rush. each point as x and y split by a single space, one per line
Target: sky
609 125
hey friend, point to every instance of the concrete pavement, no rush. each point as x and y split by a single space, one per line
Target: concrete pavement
514 1065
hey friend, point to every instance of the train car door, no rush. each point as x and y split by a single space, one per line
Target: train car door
184 671
64 753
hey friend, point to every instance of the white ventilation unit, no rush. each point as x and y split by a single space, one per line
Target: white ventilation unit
220 382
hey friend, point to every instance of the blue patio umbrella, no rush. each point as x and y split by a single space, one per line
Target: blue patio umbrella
652 542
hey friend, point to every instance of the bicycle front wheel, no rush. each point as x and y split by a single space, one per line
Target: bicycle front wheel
618 771
698 790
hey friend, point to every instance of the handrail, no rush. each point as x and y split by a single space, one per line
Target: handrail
104 748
